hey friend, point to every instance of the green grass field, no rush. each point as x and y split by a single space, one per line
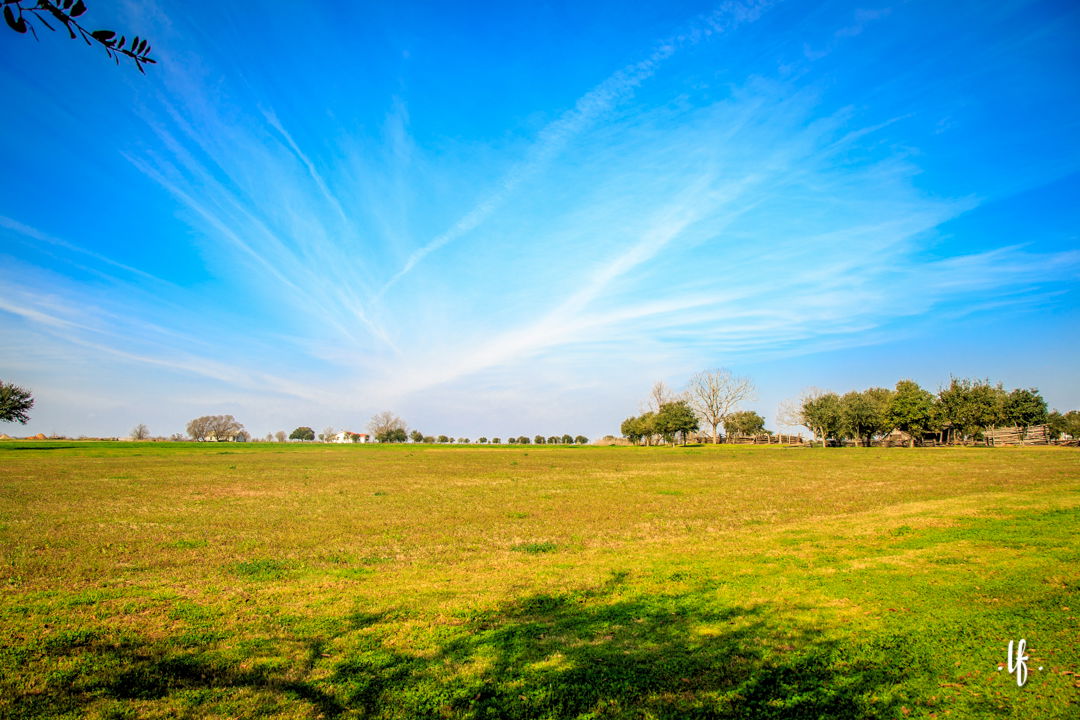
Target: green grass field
181 580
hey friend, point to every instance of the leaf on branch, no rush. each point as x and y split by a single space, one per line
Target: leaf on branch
19 25
78 9
120 45
67 4
103 36
60 16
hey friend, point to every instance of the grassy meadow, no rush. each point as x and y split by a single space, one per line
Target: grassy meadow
286 581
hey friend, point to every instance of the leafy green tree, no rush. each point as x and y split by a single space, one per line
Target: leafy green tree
482 440
911 410
862 414
631 429
567 440
823 414
1055 424
744 422
302 433
675 419
539 440
416 436
646 428
968 407
21 15
1071 424
581 440
392 435
553 440
1025 408
443 439
496 441
522 440
428 439
15 403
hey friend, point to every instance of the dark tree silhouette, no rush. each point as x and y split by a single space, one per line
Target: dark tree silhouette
21 15
15 403
303 433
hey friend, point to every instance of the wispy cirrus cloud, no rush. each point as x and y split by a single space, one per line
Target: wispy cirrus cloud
589 108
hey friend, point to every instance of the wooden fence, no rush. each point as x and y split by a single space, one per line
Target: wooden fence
762 439
1015 436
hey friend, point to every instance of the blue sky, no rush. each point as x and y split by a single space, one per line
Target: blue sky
506 218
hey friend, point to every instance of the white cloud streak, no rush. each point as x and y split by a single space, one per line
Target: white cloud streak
590 107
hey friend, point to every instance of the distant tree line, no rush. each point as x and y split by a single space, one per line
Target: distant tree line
961 412
418 437
384 427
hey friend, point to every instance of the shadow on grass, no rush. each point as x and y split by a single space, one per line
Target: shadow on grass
133 672
38 447
671 657
590 654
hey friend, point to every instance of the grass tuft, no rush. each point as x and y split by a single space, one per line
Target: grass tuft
535 548
260 569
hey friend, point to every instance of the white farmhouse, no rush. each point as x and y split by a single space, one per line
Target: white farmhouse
349 437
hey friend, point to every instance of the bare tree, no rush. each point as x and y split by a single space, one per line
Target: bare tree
385 423
216 427
715 394
199 428
280 436
140 432
789 413
792 413
659 396
327 434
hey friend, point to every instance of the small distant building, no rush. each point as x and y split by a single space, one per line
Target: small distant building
238 437
345 436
